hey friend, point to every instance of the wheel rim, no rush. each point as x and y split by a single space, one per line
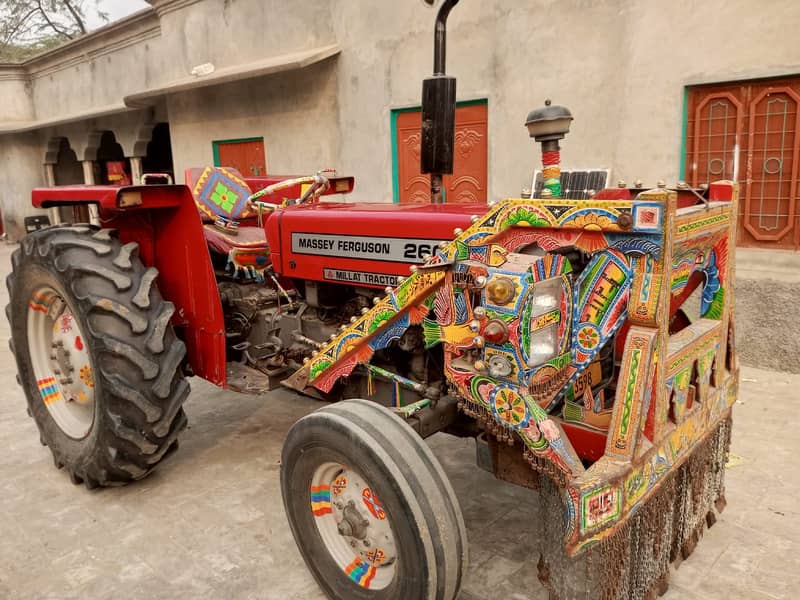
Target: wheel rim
353 525
61 363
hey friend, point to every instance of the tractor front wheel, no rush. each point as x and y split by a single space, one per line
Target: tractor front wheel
96 354
371 509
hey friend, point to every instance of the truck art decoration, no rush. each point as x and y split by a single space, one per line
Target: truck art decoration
587 346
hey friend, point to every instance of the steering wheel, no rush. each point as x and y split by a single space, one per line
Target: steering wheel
317 184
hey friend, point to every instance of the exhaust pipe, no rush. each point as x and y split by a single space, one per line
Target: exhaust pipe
438 109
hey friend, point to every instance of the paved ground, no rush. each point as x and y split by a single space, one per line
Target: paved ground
210 524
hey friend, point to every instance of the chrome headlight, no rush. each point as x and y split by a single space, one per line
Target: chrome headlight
545 319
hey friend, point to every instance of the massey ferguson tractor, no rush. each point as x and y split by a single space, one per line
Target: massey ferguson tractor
586 344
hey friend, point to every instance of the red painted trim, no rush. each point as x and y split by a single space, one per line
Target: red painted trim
168 230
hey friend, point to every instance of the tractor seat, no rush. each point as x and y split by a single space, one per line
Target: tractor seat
220 194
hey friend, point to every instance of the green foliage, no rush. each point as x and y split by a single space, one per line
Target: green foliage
31 26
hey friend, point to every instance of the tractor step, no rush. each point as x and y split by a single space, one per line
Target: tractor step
247 380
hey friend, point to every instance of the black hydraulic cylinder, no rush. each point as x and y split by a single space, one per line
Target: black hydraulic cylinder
438 124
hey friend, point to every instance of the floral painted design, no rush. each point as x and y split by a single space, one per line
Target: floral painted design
87 376
223 197
588 337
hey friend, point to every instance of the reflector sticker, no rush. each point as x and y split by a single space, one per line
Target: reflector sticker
406 250
39 303
360 572
363 277
321 500
48 389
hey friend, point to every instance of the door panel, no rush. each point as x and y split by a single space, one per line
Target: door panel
246 156
763 118
772 173
468 183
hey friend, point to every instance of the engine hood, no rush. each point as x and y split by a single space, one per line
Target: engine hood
368 244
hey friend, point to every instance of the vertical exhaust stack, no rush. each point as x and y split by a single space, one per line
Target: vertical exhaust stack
438 109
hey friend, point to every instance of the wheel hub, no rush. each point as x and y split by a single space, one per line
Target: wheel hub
61 363
354 525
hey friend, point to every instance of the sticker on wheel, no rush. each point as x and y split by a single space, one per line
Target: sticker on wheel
373 504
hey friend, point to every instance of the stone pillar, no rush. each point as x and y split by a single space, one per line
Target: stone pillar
136 170
88 179
50 180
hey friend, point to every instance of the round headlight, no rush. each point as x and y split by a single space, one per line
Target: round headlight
501 290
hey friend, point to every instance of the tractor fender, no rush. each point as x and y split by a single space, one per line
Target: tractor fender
162 225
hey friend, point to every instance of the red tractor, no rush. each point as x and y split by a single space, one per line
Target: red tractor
553 330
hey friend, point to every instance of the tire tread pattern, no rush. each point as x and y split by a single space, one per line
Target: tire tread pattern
141 402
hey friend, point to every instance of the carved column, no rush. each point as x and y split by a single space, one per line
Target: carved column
136 170
88 179
50 180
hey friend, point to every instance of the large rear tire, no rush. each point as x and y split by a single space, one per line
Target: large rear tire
96 354
371 509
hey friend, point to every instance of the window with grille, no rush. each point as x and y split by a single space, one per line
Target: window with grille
748 131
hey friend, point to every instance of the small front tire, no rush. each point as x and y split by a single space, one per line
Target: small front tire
370 507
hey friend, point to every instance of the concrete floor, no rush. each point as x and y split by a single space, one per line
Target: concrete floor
210 523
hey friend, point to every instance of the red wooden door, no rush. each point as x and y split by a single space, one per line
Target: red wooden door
468 181
762 120
246 156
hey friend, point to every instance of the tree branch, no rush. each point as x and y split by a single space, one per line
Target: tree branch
50 23
9 35
75 15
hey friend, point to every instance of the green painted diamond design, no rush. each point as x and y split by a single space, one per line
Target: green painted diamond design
223 197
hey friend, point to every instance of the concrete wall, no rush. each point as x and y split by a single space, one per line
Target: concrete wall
297 114
15 92
232 32
20 170
619 65
767 305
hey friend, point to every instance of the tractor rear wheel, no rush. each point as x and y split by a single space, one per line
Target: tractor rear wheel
371 509
96 354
